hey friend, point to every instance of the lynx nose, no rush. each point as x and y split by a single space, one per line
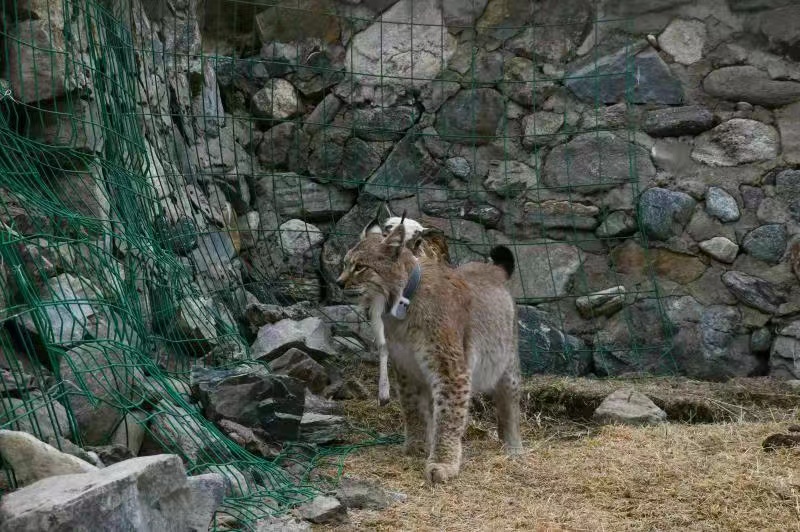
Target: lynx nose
340 282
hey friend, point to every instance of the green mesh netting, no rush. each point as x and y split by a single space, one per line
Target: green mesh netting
125 192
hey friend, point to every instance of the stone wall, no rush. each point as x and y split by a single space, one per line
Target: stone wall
644 160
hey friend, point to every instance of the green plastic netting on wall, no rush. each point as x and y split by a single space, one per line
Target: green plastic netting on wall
166 165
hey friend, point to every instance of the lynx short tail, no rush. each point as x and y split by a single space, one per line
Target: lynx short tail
503 257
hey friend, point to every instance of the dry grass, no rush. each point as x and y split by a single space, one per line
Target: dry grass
576 476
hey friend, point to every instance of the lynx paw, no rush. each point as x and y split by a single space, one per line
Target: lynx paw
513 451
438 473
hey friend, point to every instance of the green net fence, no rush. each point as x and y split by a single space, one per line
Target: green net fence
168 168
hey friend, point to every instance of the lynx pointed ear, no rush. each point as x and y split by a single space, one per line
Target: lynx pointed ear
373 227
384 206
394 240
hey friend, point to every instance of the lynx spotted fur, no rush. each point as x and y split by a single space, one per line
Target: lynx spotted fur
458 338
421 241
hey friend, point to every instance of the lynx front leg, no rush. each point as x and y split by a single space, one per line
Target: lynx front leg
416 404
450 412
506 400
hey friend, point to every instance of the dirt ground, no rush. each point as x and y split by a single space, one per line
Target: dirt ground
705 470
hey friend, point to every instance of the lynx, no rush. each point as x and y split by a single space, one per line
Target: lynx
450 332
421 241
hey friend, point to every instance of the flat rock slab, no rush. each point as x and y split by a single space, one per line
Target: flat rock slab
629 407
31 459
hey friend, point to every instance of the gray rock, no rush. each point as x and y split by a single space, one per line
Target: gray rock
545 349
470 117
315 404
277 100
760 340
177 430
67 308
664 213
327 151
721 342
574 165
752 196
510 178
629 407
283 146
756 5
720 248
606 79
322 429
481 69
194 320
407 167
540 128
737 141
545 269
363 495
439 90
553 214
151 493
684 40
39 415
458 15
97 378
31 459
459 167
310 335
721 205
483 213
705 343
297 237
384 51
553 40
788 119
678 121
384 124
37 69
360 160
280 524
767 242
323 113
299 365
783 360
524 84
252 397
617 224
111 454
779 26
749 84
603 303
754 291
302 197
323 509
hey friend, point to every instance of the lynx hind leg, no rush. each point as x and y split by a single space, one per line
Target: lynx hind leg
506 399
451 410
416 405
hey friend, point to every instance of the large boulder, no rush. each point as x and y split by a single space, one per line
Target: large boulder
390 51
147 493
31 459
253 397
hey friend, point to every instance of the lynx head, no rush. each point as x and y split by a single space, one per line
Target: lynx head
375 265
413 228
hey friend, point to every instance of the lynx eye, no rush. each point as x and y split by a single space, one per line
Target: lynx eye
359 269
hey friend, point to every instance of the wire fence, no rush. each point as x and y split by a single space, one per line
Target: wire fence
168 167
